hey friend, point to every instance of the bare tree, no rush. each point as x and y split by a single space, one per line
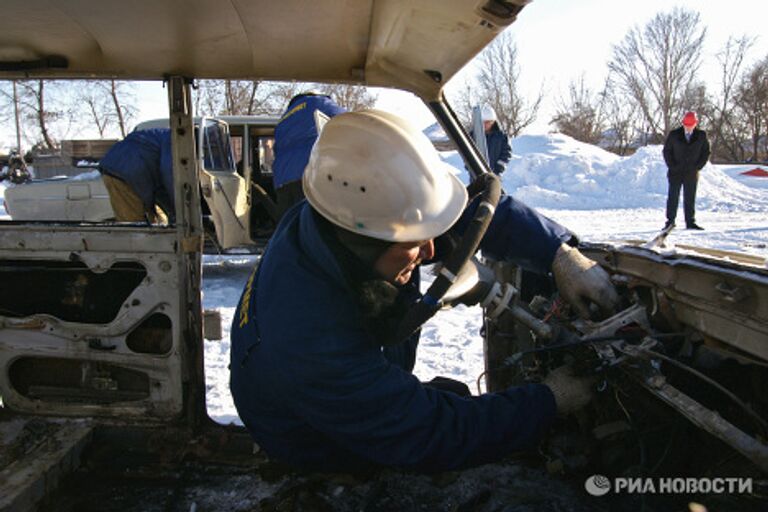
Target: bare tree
240 97
580 115
208 95
9 106
726 131
38 110
350 97
47 111
622 119
96 104
226 97
42 116
246 97
751 102
499 86
656 66
463 100
17 115
284 91
122 103
107 103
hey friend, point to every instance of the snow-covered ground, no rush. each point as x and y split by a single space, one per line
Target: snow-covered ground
600 196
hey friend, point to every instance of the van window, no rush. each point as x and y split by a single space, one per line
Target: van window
266 154
218 149
237 149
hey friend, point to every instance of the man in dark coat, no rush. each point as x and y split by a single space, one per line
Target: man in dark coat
310 375
294 136
686 151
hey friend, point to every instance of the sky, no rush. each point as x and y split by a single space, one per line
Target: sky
558 41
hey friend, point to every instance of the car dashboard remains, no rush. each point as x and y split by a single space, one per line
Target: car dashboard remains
679 372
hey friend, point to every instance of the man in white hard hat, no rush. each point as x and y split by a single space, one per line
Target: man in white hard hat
496 141
309 376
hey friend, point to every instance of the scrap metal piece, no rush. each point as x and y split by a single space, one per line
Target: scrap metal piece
599 335
704 418
52 450
658 240
635 314
712 422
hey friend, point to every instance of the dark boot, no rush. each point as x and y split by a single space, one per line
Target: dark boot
695 226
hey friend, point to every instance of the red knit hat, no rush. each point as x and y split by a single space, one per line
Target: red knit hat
690 119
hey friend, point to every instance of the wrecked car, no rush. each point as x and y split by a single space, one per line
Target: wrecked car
101 324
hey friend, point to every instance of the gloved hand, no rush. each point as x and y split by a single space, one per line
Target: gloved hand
582 280
571 393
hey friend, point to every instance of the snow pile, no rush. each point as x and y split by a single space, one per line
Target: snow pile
557 172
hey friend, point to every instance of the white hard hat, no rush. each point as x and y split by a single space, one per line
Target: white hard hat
374 174
487 113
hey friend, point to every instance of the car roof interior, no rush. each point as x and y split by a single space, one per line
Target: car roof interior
415 45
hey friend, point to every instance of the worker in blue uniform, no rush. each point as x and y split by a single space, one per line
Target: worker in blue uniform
294 136
138 175
311 376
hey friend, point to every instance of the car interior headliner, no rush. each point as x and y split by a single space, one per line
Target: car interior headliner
415 45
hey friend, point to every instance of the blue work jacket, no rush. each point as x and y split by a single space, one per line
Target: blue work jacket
144 161
315 389
295 135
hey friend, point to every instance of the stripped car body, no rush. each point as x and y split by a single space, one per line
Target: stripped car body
120 382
